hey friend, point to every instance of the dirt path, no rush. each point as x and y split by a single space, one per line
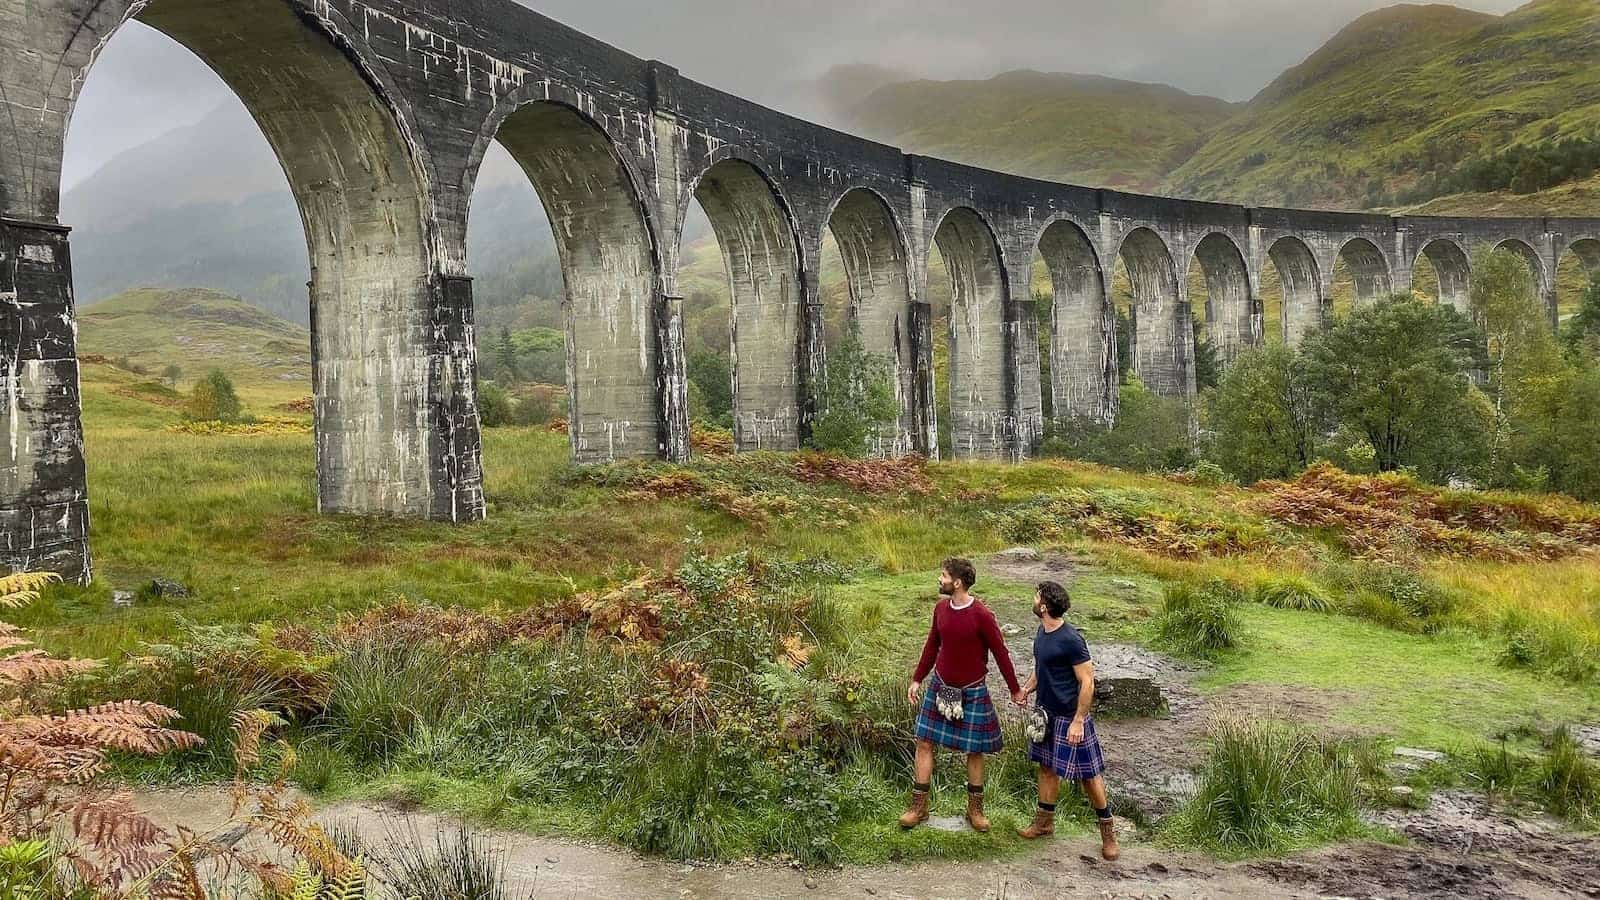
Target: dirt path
1503 858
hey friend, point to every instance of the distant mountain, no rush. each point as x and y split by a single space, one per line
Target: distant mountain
209 205
1083 129
1401 104
196 330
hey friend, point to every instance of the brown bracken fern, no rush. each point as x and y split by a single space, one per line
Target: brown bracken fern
50 758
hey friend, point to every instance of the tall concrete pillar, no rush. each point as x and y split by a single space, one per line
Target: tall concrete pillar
1024 390
672 379
924 403
44 509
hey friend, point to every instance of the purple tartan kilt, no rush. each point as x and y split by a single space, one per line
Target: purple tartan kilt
979 728
1073 763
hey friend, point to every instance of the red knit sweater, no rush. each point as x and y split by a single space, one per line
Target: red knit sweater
959 643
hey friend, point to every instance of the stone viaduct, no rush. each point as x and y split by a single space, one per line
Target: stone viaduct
381 111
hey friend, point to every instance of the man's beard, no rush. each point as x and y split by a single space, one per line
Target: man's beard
1038 611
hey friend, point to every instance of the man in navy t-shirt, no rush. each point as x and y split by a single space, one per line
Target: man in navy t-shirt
1063 676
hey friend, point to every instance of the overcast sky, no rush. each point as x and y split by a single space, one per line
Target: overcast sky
144 85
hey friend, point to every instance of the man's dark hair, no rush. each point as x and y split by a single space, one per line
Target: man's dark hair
962 571
1055 597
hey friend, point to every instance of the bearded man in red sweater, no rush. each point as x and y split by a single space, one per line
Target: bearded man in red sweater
956 710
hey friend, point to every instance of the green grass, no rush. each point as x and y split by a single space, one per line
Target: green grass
234 518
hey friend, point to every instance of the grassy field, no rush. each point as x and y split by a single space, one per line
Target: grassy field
232 517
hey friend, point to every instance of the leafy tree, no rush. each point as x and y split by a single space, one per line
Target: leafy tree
711 388
214 399
1397 373
1124 346
1522 354
1152 434
172 373
495 407
856 401
1559 431
1207 366
1582 333
1260 417
541 354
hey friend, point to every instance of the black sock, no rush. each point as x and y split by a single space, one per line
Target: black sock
1047 807
974 788
1103 812
921 787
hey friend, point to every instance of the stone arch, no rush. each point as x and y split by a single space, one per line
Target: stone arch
760 252
873 249
979 410
1454 270
1162 339
1302 288
393 367
1570 286
1530 256
1083 341
609 269
1230 309
1369 268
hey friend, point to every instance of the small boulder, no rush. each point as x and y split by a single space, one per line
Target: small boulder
122 599
1128 698
1419 755
1019 555
167 588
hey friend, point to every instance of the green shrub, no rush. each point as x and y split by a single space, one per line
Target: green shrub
1198 620
214 399
1291 592
1268 788
855 401
1394 597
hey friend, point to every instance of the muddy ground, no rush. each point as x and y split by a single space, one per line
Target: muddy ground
1457 847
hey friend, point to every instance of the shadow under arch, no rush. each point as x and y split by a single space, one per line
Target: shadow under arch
1369 270
1453 268
1233 324
609 272
760 253
979 415
1162 340
1083 340
873 250
1303 306
395 411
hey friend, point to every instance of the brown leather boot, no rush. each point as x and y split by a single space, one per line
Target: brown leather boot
1108 839
975 816
1044 822
917 812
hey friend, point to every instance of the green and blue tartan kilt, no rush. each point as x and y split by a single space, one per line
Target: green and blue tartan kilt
979 728
1073 762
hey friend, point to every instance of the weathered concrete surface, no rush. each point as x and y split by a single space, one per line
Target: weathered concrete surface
382 110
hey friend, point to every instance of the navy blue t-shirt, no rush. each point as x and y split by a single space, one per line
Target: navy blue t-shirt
1054 655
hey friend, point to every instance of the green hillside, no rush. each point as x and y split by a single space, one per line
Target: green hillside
1083 129
197 330
1403 95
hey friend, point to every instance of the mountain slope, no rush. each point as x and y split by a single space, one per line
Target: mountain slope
1084 129
1401 94
197 330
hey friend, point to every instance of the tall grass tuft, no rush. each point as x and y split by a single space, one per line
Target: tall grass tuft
1267 788
1567 781
1293 592
461 865
382 690
1198 619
